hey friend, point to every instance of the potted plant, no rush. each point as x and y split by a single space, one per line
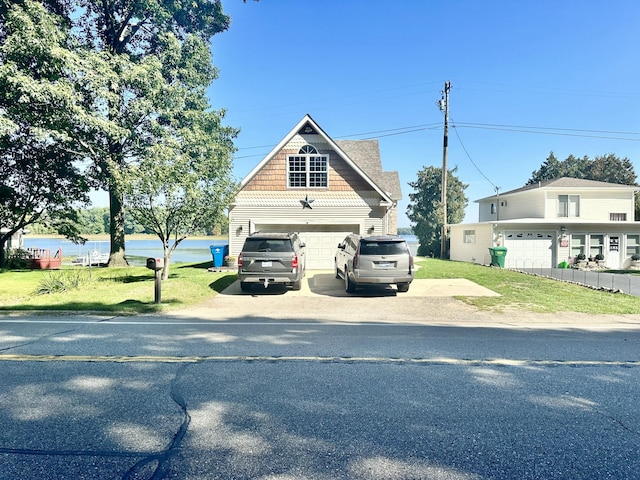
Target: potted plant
581 259
231 261
600 259
635 258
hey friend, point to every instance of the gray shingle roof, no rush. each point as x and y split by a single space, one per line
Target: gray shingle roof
366 155
564 182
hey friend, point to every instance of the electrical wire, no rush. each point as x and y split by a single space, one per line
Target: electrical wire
455 129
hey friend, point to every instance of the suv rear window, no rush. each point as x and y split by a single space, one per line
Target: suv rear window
382 248
266 245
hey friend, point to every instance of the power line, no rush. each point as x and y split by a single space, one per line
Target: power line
455 129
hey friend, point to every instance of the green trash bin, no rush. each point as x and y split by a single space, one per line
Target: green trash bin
497 256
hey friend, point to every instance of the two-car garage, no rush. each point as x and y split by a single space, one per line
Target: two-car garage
321 241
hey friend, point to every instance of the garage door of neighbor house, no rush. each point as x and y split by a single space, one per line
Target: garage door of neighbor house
321 248
529 249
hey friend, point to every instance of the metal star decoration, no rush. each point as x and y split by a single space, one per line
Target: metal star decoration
306 203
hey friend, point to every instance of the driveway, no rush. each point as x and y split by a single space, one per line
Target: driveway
325 283
322 298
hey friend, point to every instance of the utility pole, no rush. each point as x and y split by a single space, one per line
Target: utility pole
444 107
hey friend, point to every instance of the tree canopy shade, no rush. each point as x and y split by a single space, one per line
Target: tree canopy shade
141 63
40 174
425 207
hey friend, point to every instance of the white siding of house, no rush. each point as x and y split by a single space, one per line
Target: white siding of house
466 252
594 205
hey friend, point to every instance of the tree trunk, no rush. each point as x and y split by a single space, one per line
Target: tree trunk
3 241
117 257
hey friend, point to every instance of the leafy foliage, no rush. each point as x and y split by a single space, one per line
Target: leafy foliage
425 207
605 168
40 170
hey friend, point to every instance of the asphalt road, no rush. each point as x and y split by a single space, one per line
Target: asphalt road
314 385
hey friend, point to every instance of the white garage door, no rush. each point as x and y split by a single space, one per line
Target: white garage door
529 249
321 248
321 241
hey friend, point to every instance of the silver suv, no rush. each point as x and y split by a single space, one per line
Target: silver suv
268 258
372 260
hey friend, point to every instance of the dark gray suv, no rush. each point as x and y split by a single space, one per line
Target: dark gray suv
382 259
272 258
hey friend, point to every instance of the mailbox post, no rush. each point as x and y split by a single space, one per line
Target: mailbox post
156 264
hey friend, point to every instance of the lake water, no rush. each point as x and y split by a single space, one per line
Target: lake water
196 250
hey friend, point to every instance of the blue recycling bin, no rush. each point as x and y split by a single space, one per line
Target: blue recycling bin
219 252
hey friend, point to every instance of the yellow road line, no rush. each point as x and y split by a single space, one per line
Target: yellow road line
505 362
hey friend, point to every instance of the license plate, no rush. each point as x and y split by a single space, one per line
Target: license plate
267 264
384 264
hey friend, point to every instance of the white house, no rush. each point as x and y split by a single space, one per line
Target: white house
544 224
322 188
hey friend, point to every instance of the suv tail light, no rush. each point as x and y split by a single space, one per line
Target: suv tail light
356 259
410 262
294 262
240 260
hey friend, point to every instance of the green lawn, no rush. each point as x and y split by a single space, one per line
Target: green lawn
117 290
131 290
529 292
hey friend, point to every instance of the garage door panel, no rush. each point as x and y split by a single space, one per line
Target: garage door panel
529 249
321 247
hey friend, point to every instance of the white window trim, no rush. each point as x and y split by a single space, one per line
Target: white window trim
307 172
568 215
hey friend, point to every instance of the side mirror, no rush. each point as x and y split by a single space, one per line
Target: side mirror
155 263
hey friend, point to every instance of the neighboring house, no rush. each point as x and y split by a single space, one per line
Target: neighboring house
544 224
322 188
16 240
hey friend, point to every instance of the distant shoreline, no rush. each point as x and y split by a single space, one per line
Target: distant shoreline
133 236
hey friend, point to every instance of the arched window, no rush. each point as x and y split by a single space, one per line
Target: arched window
308 149
307 169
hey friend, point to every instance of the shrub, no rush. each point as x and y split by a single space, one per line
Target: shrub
635 257
599 257
17 259
55 282
581 256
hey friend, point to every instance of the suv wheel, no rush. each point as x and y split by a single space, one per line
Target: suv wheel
350 287
245 287
403 287
297 285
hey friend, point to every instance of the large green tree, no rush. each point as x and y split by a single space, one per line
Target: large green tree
604 168
184 181
125 90
40 170
425 207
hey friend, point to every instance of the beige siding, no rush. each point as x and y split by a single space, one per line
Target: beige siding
474 253
595 205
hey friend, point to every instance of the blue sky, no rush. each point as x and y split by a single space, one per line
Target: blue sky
533 77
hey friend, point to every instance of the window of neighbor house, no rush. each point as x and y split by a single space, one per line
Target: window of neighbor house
493 209
633 245
618 217
469 236
596 245
308 168
577 245
568 205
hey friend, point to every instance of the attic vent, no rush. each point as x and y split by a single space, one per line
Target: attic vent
307 130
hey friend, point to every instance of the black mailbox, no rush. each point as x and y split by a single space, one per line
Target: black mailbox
155 263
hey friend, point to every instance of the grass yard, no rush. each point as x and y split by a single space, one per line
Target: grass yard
131 290
117 290
529 292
